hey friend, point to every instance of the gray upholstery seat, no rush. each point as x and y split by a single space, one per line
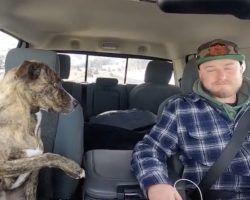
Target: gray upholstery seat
189 76
64 65
105 95
149 95
61 133
77 90
144 100
103 179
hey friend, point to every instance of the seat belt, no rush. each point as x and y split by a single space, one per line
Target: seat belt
241 131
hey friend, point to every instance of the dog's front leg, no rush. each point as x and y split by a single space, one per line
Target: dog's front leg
16 167
31 186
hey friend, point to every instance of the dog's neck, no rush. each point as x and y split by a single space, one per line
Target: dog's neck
15 110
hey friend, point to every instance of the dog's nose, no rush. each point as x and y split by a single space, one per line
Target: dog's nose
75 103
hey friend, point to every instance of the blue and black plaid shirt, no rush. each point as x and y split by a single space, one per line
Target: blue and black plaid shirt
200 132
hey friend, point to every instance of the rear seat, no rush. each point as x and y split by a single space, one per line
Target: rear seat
108 113
105 95
144 99
107 130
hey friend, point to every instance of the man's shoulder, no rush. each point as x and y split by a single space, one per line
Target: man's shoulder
180 101
189 97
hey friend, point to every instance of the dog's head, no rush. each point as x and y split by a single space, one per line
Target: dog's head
42 87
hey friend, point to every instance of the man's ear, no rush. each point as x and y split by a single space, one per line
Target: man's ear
243 66
28 70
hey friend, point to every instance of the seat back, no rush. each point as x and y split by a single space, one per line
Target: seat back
61 133
190 75
64 65
105 95
149 95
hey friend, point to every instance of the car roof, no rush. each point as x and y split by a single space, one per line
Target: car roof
119 26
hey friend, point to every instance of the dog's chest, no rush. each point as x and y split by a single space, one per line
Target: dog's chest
20 149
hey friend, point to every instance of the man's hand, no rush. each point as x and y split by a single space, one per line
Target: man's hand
163 192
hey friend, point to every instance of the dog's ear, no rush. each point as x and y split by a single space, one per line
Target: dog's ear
28 70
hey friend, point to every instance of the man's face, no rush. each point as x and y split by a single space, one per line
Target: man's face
222 78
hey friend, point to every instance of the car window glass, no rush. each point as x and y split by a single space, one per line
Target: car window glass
7 42
109 67
136 71
77 67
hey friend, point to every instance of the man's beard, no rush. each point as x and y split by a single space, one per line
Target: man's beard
223 92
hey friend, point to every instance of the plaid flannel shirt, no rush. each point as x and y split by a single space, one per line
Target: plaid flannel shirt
200 132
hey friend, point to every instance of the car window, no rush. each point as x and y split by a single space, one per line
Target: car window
86 68
77 67
108 67
7 42
136 70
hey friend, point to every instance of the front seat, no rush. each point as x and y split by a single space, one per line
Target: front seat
61 133
190 75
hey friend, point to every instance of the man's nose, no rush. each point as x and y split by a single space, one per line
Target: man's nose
221 74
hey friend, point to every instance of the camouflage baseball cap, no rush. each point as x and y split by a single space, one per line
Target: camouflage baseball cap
218 49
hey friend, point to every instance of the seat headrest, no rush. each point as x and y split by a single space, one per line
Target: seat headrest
64 66
17 56
158 72
106 82
190 75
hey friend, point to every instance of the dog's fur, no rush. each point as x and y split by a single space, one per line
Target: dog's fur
23 91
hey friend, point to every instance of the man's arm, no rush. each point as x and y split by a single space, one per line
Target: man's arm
150 155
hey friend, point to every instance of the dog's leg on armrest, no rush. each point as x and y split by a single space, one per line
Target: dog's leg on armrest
20 166
31 186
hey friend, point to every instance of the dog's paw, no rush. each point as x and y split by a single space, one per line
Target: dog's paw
82 174
76 173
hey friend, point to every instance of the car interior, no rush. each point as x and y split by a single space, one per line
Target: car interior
121 60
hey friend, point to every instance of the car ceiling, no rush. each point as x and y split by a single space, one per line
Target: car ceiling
134 27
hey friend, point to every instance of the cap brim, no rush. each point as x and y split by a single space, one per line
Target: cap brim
239 57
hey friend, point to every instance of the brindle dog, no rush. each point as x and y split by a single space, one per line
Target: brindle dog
23 91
